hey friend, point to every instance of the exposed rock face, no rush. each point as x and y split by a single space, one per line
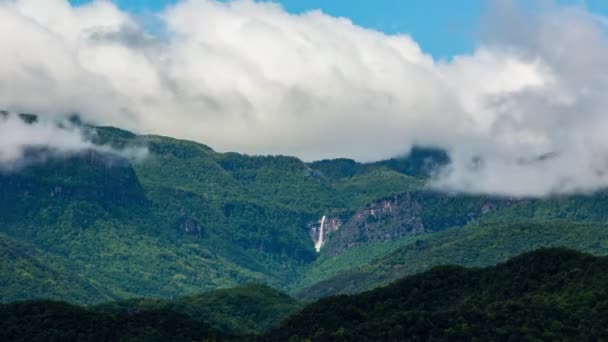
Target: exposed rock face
408 214
190 226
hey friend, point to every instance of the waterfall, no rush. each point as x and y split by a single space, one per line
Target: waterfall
320 241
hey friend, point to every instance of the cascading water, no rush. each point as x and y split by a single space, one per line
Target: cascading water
320 241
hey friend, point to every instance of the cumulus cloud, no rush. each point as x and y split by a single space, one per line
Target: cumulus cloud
547 137
522 115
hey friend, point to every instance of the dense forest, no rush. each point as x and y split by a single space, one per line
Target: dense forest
476 245
58 321
549 294
187 219
176 237
246 309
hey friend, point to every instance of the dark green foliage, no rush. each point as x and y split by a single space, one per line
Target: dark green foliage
88 176
336 169
226 313
551 294
419 162
57 321
243 310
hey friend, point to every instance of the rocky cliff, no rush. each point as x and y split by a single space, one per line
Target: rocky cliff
406 214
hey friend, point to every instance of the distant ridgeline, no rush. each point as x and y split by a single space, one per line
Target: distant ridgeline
549 294
27 118
95 226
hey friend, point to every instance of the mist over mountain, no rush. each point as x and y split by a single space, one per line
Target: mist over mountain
185 218
250 77
278 170
29 139
90 225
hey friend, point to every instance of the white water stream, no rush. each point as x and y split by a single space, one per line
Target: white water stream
320 241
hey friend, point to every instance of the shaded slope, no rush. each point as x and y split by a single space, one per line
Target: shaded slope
241 310
551 294
57 321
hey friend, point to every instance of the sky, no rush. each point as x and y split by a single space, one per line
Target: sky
513 90
442 28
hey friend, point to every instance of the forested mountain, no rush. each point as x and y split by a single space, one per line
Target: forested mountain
550 294
58 321
473 246
247 309
186 219
283 170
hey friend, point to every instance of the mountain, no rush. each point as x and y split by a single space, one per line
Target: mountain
27 272
57 321
187 219
183 220
421 229
476 245
227 314
550 294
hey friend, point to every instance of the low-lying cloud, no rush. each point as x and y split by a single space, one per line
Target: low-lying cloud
523 115
24 141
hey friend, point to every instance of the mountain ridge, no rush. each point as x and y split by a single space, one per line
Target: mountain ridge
187 219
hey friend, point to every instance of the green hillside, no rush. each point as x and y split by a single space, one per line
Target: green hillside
183 220
27 272
473 246
550 294
187 219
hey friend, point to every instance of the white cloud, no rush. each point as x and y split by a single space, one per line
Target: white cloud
16 136
249 77
23 142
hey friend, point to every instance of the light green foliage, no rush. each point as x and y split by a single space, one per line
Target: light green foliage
27 272
184 220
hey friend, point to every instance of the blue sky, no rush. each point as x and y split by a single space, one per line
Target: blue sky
442 27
